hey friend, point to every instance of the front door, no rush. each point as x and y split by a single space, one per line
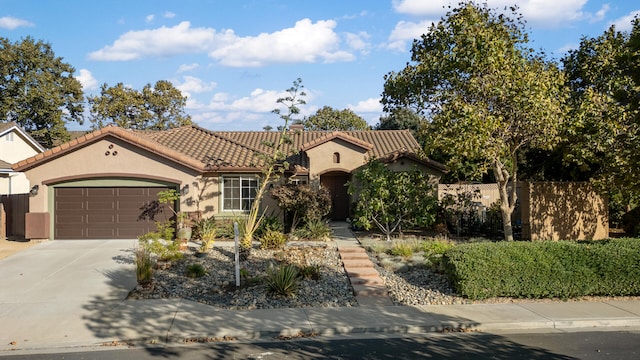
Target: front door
336 183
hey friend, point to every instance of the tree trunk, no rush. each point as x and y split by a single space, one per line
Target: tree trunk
508 196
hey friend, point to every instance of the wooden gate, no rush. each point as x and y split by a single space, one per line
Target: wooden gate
12 211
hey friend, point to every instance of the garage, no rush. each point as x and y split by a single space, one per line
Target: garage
102 212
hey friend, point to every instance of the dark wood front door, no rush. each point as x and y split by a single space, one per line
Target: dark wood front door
336 184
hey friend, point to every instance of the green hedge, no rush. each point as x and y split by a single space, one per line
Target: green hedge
545 269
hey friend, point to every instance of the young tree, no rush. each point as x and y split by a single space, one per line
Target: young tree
273 164
391 199
38 90
329 119
159 107
487 95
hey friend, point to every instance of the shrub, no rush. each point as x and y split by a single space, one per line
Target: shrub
282 280
401 248
302 202
434 250
316 229
545 269
196 270
273 239
269 223
310 272
144 266
164 250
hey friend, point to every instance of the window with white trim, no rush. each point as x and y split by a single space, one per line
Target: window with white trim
238 192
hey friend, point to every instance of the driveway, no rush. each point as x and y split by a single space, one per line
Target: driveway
50 291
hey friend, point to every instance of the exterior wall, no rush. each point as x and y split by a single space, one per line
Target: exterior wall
14 183
112 162
406 164
321 158
14 147
563 211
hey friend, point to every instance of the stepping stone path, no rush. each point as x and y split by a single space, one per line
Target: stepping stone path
368 286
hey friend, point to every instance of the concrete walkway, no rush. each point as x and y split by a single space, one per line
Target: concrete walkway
45 313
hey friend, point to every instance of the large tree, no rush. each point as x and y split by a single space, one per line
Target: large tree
38 90
487 95
330 119
159 107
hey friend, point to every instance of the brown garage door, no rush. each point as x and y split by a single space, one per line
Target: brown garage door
102 212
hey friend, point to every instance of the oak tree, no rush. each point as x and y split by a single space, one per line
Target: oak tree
486 94
38 90
330 119
157 107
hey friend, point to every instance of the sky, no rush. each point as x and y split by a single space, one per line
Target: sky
234 59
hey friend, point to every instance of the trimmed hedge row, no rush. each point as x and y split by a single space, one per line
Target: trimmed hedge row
546 269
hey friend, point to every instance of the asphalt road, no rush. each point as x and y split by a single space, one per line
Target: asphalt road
619 345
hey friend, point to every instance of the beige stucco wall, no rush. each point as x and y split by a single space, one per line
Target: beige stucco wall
563 211
112 162
13 148
321 158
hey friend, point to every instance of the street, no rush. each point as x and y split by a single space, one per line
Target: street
619 345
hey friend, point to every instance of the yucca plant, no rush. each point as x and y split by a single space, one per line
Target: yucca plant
282 280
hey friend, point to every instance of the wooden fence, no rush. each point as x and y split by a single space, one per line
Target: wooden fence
12 211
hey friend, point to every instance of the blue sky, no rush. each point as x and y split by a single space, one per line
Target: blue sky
233 59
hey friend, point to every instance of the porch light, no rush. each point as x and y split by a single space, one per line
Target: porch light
34 190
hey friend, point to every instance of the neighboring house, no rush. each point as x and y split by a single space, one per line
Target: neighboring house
15 145
94 186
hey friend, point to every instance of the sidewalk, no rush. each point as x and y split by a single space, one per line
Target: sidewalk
106 322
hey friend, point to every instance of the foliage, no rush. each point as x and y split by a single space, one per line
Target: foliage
196 270
401 248
602 135
282 280
273 239
402 118
206 230
269 223
545 269
391 199
302 202
159 107
38 90
274 164
170 197
144 266
160 242
487 95
460 205
329 119
310 272
313 230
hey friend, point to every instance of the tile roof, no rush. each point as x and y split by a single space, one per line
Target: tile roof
207 150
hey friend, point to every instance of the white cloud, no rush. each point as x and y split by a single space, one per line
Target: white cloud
539 13
306 42
358 41
192 85
149 18
187 67
162 42
371 105
625 23
169 15
12 23
405 32
87 80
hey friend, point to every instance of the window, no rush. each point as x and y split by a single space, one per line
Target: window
336 158
9 136
238 192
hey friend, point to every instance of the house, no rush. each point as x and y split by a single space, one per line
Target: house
94 186
15 145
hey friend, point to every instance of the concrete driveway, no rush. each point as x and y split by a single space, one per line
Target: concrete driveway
50 292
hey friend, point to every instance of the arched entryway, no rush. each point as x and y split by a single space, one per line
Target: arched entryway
336 183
